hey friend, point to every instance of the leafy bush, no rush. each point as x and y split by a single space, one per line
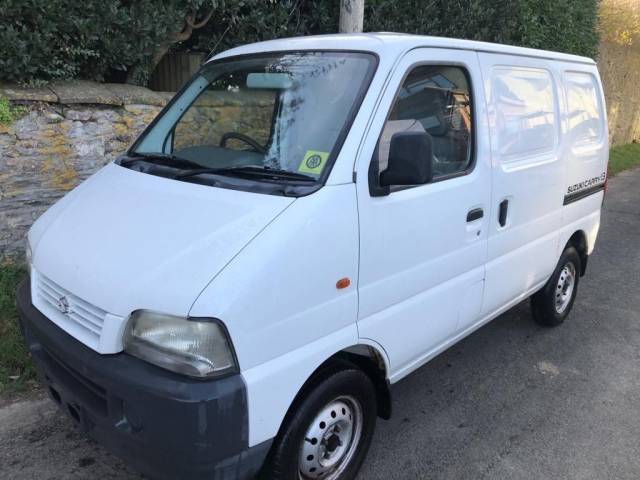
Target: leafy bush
246 21
561 25
51 39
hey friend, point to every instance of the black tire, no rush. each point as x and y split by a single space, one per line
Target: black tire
340 382
543 303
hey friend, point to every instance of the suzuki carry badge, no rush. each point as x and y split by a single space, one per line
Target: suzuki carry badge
308 221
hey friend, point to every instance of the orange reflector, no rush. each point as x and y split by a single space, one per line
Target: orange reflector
343 283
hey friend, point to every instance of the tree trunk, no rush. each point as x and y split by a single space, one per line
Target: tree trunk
139 74
351 16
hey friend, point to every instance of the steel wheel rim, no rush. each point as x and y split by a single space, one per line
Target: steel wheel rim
331 440
564 288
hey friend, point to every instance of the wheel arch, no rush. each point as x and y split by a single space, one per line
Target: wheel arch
372 362
579 241
364 357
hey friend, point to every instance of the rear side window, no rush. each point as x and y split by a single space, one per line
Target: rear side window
525 110
434 99
584 112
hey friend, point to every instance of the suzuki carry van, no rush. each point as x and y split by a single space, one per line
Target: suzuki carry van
308 221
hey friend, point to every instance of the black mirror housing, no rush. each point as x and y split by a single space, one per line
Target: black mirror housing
410 160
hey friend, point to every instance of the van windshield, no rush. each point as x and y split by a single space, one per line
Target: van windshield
266 118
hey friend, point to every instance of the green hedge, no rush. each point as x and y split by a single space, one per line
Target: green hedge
52 39
561 25
49 39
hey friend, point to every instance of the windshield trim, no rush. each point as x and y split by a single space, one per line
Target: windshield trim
340 139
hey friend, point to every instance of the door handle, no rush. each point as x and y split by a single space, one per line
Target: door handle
475 214
502 213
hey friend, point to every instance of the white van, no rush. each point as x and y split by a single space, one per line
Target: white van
307 222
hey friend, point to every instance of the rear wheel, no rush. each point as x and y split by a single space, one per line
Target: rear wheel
328 433
552 304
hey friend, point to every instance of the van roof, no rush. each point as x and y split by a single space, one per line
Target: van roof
387 43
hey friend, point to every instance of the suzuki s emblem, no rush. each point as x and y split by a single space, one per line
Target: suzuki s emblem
63 305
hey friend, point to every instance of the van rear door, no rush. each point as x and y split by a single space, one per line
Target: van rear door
588 149
423 247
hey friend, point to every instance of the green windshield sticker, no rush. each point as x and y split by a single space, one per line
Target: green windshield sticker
313 162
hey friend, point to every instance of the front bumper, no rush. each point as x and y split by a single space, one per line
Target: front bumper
163 424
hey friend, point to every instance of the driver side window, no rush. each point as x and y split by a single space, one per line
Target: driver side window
223 114
434 100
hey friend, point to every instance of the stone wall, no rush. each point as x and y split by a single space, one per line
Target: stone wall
69 132
217 112
74 128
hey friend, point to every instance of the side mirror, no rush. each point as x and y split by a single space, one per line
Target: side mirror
410 160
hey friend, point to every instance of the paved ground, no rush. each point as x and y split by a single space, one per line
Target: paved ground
512 401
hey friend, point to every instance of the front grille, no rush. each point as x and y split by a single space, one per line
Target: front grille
68 310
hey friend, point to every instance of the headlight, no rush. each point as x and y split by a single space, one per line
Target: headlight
198 347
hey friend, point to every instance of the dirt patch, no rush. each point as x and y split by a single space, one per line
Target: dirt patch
39 441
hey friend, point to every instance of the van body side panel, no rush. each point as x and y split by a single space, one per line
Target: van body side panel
421 261
523 100
279 301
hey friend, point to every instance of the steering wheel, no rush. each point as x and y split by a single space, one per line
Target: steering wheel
244 138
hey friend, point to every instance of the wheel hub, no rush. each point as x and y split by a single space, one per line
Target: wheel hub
564 288
331 439
332 443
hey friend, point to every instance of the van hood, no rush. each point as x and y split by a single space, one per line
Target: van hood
125 240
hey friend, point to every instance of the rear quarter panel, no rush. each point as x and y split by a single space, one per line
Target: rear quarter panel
538 163
586 162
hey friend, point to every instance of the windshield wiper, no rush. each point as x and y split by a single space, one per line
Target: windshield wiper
249 171
166 159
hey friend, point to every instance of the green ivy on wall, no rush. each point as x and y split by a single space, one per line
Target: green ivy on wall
10 113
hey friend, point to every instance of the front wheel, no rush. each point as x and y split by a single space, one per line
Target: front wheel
327 434
552 304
